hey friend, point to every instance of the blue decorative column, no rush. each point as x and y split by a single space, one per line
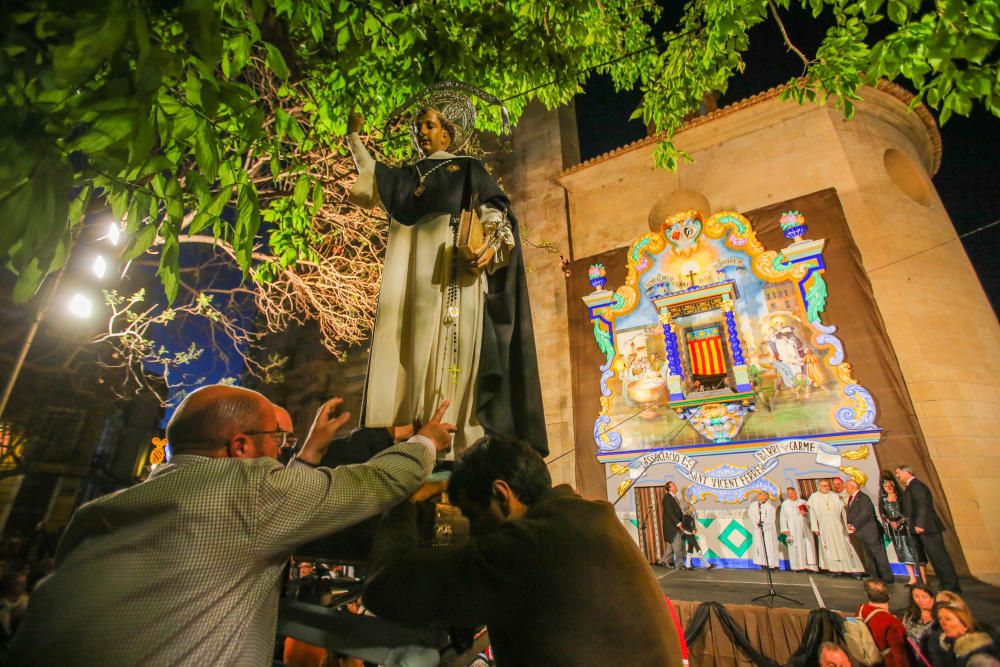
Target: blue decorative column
675 373
736 349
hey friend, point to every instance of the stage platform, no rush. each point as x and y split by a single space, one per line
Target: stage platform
738 586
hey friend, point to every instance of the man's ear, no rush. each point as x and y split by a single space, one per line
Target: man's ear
502 495
240 447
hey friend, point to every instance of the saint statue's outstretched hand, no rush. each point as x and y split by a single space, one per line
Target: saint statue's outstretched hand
447 327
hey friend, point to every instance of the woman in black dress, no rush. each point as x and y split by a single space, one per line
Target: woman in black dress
904 541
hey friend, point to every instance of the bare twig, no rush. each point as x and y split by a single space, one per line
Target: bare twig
788 42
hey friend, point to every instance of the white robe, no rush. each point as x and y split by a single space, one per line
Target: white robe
828 516
801 548
764 513
412 344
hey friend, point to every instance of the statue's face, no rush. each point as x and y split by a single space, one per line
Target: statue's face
431 133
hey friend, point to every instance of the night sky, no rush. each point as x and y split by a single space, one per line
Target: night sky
966 181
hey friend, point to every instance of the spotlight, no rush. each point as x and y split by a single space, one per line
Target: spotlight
100 266
114 233
80 305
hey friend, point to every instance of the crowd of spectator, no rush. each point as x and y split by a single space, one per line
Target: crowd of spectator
934 630
24 561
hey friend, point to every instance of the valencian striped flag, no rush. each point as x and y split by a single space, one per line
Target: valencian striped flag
706 352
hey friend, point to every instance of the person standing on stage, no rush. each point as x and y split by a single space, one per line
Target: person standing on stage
689 528
827 520
795 527
864 525
762 517
904 540
838 487
671 519
918 508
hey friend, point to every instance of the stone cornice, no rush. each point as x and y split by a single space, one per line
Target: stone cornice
895 90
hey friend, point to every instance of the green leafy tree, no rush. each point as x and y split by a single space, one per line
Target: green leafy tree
156 105
202 120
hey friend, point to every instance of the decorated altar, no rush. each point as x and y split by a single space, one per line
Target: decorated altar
721 374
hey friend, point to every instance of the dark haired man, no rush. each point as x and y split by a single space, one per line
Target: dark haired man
184 568
673 530
918 507
556 578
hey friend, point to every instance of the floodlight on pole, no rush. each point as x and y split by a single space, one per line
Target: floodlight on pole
80 306
100 266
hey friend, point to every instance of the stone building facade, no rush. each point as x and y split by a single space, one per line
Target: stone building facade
763 151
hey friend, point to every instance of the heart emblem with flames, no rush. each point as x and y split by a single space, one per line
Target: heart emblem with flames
684 235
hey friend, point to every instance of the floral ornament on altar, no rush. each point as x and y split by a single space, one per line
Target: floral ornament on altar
793 224
597 275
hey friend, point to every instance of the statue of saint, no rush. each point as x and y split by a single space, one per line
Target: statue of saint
447 327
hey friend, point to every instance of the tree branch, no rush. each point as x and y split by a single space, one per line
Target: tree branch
788 42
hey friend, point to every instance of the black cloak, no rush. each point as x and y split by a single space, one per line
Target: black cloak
508 392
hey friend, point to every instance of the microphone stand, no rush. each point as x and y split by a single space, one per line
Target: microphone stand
771 593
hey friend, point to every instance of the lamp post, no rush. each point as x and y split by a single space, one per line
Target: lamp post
51 288
80 305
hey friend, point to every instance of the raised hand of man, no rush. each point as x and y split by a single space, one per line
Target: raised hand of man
437 431
323 430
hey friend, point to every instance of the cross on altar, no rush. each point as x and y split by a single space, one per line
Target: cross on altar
691 274
454 370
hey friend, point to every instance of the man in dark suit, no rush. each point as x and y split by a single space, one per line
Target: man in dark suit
918 508
556 579
864 526
671 517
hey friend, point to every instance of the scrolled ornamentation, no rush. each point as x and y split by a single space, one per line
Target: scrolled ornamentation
763 265
834 342
862 415
859 454
606 440
855 474
845 373
619 469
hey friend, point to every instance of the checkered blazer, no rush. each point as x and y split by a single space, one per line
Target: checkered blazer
184 568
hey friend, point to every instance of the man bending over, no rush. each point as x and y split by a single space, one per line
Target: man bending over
556 578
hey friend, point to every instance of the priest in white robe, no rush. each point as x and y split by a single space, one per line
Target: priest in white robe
839 487
798 534
828 520
762 516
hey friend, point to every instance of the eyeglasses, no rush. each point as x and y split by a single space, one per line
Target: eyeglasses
286 439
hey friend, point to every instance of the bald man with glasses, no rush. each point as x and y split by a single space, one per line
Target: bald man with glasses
184 568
